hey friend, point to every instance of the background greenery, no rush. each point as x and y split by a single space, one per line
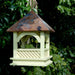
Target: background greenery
60 14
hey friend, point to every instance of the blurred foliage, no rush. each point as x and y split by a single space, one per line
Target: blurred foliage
29 46
11 11
59 66
60 14
67 7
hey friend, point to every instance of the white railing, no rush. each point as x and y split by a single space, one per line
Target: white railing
29 53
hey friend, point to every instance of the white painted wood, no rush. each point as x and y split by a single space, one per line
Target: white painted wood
28 53
28 33
37 49
14 43
48 42
31 62
41 59
29 49
31 53
31 57
42 36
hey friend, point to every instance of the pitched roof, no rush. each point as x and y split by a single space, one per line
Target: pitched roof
30 22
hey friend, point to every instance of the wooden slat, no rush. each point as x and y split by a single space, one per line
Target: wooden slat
28 53
29 49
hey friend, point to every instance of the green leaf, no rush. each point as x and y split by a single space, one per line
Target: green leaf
52 65
48 68
21 12
13 17
60 1
27 8
69 3
23 70
64 73
69 60
36 41
57 58
0 24
59 73
6 19
71 54
29 73
12 7
0 30
60 8
38 71
3 43
64 63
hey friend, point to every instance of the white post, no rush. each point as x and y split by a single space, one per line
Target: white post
42 36
48 42
14 44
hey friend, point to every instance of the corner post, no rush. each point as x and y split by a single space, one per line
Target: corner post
48 43
42 36
14 44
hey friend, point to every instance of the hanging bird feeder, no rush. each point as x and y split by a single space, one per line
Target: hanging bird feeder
32 25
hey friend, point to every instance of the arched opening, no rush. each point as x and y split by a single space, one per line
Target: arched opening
28 44
28 41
